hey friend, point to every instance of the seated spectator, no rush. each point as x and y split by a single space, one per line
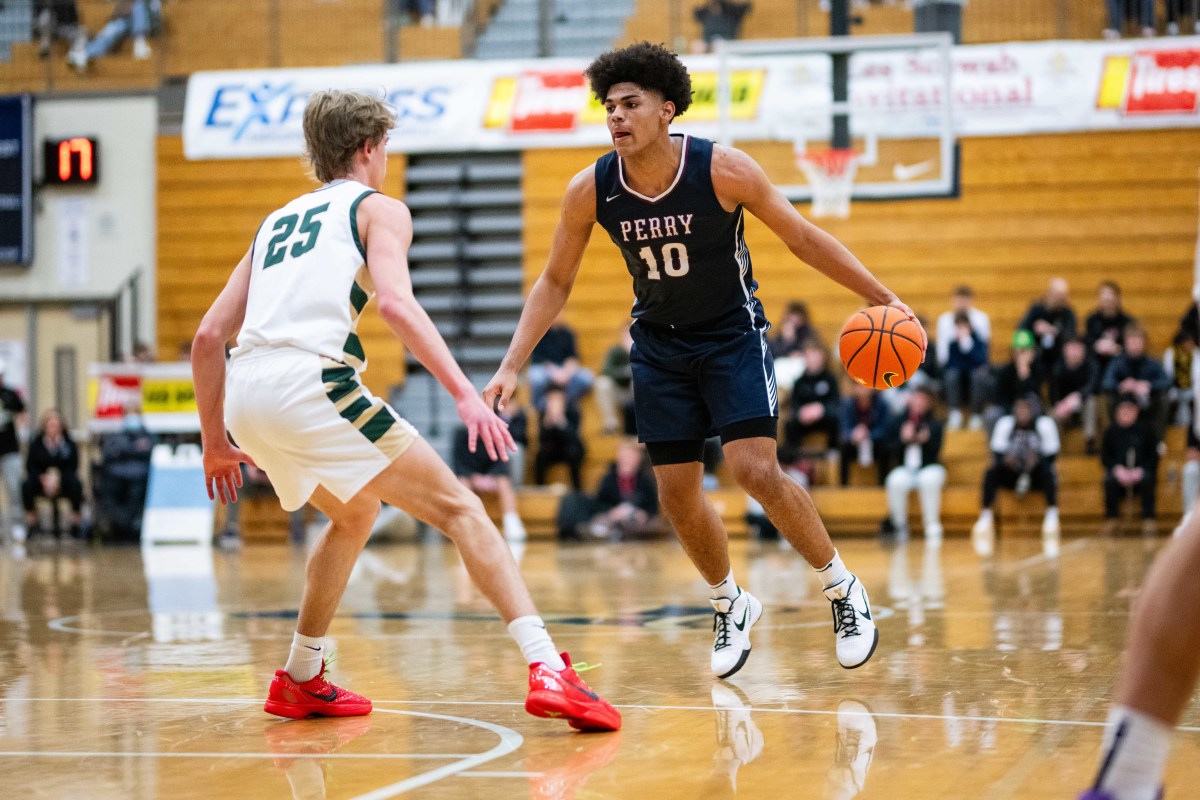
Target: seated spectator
1136 374
57 19
1021 376
918 434
1104 330
863 419
52 472
1140 10
1130 458
419 10
1177 363
720 19
1073 391
965 370
627 501
1024 446
555 362
129 18
614 388
814 406
1051 320
479 473
787 346
124 470
558 438
961 302
12 420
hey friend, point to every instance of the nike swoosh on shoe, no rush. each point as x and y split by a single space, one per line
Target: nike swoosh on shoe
329 698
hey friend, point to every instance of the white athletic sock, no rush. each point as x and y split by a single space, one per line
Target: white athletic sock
834 572
727 588
536 645
1135 752
304 661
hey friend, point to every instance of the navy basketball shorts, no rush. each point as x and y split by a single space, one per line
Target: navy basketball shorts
689 386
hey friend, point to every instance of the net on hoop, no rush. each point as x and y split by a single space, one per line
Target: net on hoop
830 173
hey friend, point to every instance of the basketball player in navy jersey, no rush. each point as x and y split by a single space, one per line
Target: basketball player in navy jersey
674 205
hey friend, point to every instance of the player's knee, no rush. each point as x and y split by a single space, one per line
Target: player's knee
464 517
758 476
677 501
357 517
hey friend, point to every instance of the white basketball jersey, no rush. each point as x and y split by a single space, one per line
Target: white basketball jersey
309 281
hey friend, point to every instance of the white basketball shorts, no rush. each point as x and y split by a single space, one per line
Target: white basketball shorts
306 420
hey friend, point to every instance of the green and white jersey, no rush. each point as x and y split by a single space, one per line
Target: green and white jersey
309 281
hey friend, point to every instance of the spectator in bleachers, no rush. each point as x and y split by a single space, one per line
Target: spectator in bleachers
1104 330
1177 363
1073 391
1130 458
814 405
1140 10
720 19
130 18
57 19
479 473
558 438
52 472
863 422
965 370
928 377
1021 376
1175 9
614 388
12 420
419 10
961 386
795 332
1051 320
555 363
1135 373
918 434
625 503
1024 447
1190 321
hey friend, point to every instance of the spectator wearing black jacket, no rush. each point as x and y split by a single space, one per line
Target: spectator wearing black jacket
863 424
1104 330
555 363
1020 377
52 469
625 502
964 371
1130 458
1073 390
814 405
559 443
918 434
1135 373
125 470
720 19
1051 320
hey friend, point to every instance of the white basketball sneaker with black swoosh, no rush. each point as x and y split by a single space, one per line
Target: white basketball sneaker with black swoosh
853 626
732 623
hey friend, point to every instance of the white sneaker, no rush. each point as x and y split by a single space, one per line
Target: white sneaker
732 623
954 422
1050 525
983 534
77 59
739 740
856 739
514 529
141 48
933 535
19 534
853 627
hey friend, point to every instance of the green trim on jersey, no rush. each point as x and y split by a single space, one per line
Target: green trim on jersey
380 424
354 221
355 409
353 347
358 298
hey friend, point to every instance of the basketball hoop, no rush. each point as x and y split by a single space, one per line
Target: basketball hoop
830 173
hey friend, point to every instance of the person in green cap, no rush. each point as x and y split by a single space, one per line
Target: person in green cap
1021 376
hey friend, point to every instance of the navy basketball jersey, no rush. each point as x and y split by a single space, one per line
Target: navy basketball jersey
686 253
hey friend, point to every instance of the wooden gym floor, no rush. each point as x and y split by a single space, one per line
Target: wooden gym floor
130 674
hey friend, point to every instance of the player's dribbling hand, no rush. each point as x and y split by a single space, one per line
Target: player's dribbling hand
223 470
908 312
500 389
484 426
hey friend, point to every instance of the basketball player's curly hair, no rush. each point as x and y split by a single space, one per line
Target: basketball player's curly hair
650 66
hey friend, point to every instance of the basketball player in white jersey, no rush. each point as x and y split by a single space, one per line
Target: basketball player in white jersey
295 404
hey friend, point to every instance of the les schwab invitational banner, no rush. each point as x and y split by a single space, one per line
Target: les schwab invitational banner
1017 88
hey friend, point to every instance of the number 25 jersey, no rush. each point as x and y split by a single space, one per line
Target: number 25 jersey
687 255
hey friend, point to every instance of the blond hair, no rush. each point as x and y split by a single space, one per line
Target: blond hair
336 124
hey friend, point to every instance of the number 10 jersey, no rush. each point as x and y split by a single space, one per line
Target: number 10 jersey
687 255
309 281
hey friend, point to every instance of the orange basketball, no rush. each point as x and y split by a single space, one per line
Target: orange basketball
880 347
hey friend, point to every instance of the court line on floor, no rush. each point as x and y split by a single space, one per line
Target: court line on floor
218 754
632 706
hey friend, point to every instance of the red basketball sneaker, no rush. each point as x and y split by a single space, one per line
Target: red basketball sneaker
317 697
562 694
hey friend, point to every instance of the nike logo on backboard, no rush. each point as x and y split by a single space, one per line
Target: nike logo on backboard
614 197
906 172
